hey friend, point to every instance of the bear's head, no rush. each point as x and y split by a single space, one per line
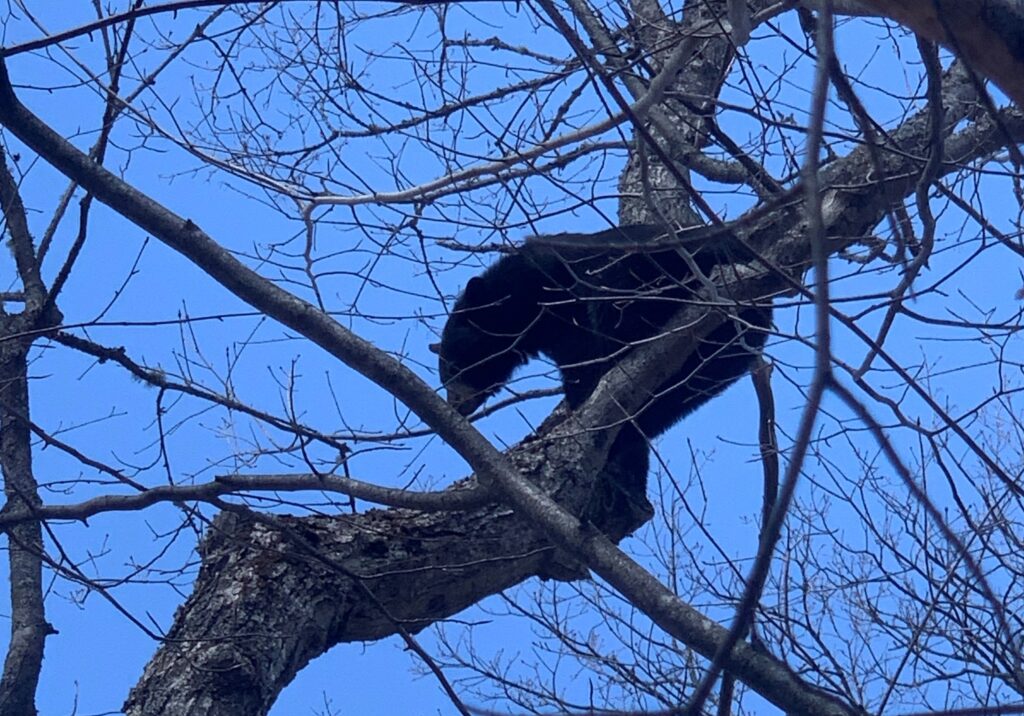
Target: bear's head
478 349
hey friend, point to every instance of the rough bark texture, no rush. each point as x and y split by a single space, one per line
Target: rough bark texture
25 542
275 592
29 627
652 191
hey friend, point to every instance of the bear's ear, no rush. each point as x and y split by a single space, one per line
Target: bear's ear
435 348
473 289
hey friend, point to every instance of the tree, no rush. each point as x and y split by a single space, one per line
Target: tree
373 174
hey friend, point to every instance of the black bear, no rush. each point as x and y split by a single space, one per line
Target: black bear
583 301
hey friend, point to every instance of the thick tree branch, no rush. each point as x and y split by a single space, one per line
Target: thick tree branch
25 543
987 34
29 627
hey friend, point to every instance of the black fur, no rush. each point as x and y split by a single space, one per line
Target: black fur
583 301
